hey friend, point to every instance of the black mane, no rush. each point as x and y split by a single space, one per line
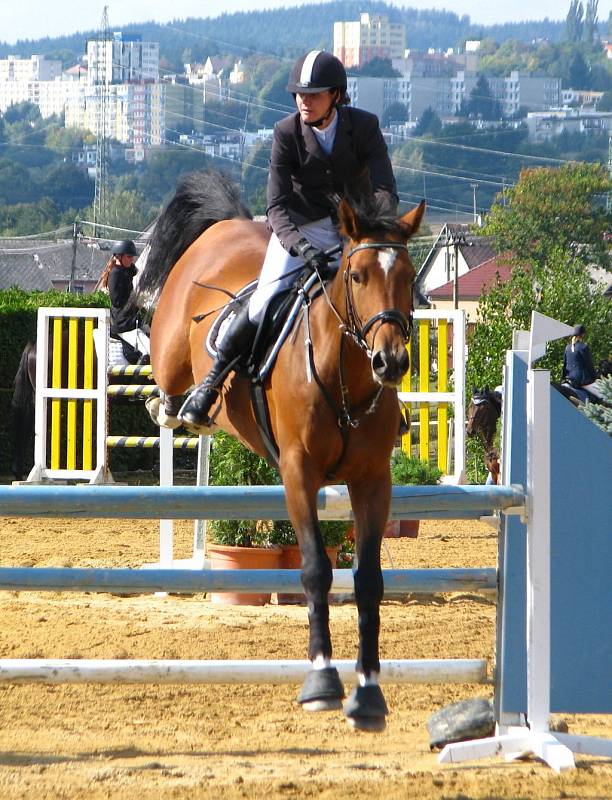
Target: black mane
201 199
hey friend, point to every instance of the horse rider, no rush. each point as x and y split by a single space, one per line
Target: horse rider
118 280
320 153
578 369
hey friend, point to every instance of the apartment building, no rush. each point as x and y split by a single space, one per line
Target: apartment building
445 95
372 36
35 68
122 59
135 114
543 125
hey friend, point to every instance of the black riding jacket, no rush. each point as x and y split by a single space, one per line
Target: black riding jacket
123 313
305 185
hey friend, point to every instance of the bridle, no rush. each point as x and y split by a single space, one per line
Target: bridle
352 327
357 329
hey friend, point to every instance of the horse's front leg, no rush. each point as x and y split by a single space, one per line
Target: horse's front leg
366 708
322 689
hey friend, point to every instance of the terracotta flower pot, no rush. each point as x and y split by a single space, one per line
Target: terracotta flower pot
397 528
291 558
226 557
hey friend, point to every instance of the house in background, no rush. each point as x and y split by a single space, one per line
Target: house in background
439 266
471 286
478 268
47 264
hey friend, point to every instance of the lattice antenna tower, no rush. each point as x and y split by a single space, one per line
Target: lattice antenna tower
101 189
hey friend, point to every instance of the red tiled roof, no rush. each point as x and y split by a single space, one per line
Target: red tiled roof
473 283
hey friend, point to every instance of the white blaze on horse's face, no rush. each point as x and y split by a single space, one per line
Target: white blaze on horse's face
386 259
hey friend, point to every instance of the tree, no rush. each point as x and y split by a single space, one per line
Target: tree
429 123
481 103
590 21
602 414
274 100
376 68
130 210
573 22
68 186
21 112
395 112
579 73
552 208
562 289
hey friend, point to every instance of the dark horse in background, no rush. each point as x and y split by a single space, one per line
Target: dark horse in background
340 425
482 416
22 409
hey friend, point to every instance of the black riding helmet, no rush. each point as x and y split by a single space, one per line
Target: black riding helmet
124 247
317 71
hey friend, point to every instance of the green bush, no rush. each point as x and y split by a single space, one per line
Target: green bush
406 470
18 312
333 532
231 464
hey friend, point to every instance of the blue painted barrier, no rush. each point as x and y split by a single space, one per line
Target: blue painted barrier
134 581
244 502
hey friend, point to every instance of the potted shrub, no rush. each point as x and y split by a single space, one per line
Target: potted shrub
240 544
409 471
335 539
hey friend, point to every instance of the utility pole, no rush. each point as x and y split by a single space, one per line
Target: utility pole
474 187
100 212
76 230
455 239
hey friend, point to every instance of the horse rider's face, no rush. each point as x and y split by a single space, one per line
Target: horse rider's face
313 106
125 260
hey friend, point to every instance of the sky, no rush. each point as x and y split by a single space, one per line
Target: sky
33 19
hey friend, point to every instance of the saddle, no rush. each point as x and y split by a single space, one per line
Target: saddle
275 326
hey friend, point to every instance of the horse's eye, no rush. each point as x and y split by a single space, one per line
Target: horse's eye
355 277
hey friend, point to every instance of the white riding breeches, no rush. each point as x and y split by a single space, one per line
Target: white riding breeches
277 272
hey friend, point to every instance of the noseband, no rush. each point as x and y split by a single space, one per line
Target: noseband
394 316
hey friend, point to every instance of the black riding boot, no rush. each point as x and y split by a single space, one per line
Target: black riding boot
237 338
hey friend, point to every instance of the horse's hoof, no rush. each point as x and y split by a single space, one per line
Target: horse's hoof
322 690
367 724
322 705
158 414
366 708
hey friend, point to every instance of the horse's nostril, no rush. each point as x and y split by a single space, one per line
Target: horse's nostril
379 362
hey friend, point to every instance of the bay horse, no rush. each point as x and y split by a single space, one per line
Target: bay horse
482 415
340 426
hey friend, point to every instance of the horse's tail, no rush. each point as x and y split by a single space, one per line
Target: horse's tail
22 407
201 199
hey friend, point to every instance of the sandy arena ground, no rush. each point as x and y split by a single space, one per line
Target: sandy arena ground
150 742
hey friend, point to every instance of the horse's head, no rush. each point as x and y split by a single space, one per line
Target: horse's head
483 412
378 279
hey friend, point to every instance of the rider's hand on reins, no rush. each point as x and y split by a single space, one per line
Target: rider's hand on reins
313 257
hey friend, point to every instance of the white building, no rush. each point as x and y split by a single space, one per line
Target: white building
372 36
122 59
35 68
445 95
135 114
543 125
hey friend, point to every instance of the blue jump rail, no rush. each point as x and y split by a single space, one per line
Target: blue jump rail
135 581
245 502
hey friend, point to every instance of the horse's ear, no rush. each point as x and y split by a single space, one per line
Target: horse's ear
411 221
349 222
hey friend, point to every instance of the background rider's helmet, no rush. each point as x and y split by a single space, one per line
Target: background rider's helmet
124 247
579 330
317 71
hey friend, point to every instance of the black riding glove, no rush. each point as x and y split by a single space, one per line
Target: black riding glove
313 258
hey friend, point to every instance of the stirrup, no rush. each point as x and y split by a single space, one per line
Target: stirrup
196 408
